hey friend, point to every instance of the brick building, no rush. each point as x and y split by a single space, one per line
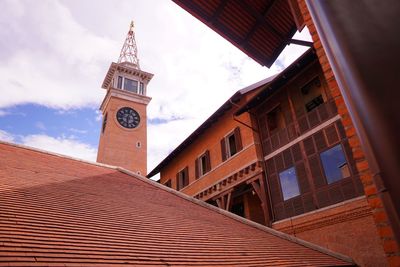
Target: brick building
357 46
276 153
220 154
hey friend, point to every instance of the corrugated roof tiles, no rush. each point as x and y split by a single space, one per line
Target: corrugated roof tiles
57 211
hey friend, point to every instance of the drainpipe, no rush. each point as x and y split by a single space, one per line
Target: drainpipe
264 167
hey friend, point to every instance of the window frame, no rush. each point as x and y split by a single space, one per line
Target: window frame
277 109
314 81
328 182
182 182
140 88
228 139
134 89
199 168
225 146
297 183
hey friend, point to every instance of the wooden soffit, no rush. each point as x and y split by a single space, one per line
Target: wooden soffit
260 28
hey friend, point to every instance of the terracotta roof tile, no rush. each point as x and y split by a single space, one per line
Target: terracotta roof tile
56 211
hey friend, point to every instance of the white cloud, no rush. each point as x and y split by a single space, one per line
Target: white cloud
62 145
48 58
40 125
6 136
56 54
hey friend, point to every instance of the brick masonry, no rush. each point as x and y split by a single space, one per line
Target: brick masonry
382 224
118 146
210 140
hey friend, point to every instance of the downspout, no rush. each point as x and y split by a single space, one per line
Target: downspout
263 164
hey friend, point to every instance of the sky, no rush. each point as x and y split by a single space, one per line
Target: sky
54 55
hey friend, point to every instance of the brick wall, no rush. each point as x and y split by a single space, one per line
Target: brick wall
383 228
118 145
345 228
210 140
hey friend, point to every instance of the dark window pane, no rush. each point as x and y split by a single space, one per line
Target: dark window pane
103 128
183 178
289 184
310 105
275 120
119 84
232 145
168 183
238 209
130 85
312 94
334 163
203 164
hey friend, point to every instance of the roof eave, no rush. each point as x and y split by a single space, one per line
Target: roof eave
275 84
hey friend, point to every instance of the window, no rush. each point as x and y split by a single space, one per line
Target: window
130 85
275 120
103 128
334 163
203 164
119 84
312 94
182 178
168 183
289 184
315 102
141 88
231 144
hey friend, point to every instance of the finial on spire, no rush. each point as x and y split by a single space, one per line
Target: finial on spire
129 49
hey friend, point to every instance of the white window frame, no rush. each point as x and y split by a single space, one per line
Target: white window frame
141 86
227 145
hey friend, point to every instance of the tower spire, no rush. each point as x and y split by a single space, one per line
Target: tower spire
129 49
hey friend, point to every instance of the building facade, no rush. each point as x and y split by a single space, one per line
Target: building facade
350 39
217 162
280 157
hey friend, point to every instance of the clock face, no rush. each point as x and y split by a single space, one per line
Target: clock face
128 117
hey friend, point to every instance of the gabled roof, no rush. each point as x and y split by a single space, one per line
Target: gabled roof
208 122
261 29
58 211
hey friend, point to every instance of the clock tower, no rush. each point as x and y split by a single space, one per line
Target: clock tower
123 136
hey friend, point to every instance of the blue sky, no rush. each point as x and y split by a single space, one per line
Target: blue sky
30 119
54 55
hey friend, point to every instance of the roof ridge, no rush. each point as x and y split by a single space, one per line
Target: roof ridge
195 201
58 155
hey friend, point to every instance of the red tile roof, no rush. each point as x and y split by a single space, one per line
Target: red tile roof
57 211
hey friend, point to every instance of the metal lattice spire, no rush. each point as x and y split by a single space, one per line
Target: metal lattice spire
129 50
